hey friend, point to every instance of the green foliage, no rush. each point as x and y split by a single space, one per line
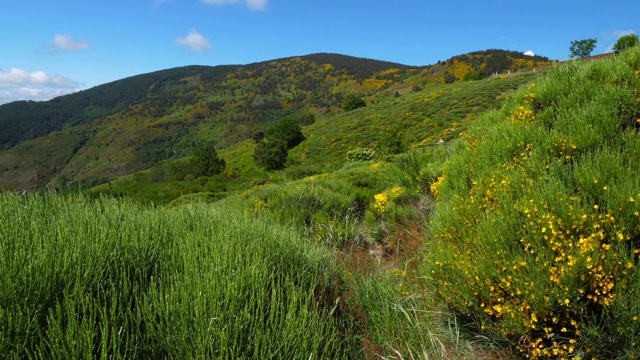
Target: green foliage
537 219
424 118
158 148
479 64
205 161
271 154
403 322
272 150
626 41
257 137
582 48
352 102
449 78
361 154
120 281
135 123
392 143
287 130
476 75
25 120
497 63
306 119
360 68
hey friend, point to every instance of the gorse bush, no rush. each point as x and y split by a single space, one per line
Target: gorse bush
537 223
107 279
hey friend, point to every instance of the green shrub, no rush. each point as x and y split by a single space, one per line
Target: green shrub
205 161
361 154
537 221
352 102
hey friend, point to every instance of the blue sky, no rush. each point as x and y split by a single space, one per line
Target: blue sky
53 47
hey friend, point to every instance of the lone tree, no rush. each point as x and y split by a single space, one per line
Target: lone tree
582 48
272 149
288 130
625 42
271 154
352 102
205 161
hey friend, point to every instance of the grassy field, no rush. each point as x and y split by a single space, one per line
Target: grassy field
108 279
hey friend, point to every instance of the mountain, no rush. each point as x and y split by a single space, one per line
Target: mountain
130 125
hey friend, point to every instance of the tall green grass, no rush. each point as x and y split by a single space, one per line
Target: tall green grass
537 221
108 279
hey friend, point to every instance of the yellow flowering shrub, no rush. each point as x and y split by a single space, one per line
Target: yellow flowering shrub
381 202
537 227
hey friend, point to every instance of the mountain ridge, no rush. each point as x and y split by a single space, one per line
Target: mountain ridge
128 125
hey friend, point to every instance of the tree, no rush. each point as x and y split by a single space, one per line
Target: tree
272 151
498 62
257 137
271 154
582 48
307 119
205 161
392 143
625 42
287 130
352 102
449 78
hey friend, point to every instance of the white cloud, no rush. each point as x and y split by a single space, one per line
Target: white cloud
65 42
194 41
256 5
610 38
529 53
18 84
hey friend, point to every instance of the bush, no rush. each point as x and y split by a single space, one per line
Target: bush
352 102
205 161
537 221
449 78
361 154
392 143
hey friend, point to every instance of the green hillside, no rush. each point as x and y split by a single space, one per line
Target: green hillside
124 127
536 225
454 216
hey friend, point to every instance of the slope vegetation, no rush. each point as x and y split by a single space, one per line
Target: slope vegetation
130 125
537 221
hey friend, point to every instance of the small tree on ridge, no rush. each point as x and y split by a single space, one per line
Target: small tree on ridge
625 42
582 48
